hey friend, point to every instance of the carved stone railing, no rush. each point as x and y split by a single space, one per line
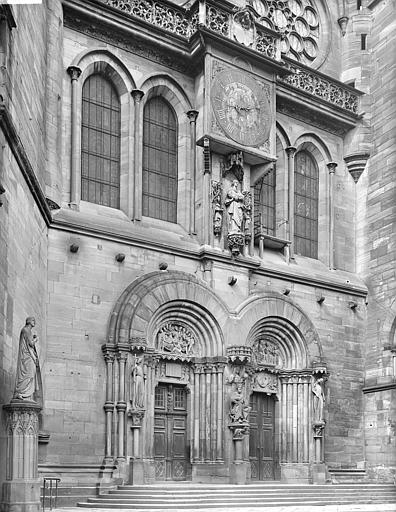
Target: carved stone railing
185 22
321 87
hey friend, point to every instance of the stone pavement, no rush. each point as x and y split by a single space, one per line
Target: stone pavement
386 507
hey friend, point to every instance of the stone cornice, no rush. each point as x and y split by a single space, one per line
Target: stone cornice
379 387
10 132
202 253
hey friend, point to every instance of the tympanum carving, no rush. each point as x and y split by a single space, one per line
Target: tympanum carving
265 352
177 339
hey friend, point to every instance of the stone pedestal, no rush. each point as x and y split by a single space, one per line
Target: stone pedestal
239 473
136 472
318 473
21 490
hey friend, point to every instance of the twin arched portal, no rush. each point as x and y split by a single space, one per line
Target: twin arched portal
188 381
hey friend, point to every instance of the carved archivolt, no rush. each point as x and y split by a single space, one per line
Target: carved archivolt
175 338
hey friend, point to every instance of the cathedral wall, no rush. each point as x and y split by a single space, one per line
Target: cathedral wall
23 276
378 244
83 288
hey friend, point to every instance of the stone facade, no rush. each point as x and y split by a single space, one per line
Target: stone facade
206 306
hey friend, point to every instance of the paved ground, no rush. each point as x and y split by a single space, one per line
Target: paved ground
327 508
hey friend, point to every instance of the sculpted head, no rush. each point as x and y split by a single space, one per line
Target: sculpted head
30 320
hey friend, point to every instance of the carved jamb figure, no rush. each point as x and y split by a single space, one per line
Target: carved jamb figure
28 377
234 202
137 395
318 399
239 410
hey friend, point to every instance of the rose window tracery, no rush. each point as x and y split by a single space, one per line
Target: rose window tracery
298 23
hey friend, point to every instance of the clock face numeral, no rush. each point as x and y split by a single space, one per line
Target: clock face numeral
241 107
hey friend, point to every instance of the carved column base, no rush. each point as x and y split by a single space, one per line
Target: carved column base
239 472
319 473
21 490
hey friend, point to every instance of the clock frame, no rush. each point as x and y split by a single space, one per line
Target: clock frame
241 107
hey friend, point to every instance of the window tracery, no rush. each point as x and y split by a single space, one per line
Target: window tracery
298 23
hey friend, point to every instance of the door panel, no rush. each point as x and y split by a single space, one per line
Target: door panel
171 449
261 438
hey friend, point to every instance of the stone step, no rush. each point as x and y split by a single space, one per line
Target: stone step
197 496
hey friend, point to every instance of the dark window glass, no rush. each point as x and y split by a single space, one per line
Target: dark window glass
159 161
264 204
306 189
100 143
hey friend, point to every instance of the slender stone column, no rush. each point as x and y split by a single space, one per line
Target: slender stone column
283 425
208 412
202 414
136 184
306 420
75 150
213 415
219 441
192 116
196 416
300 431
290 151
208 231
121 406
294 398
109 404
332 167
21 490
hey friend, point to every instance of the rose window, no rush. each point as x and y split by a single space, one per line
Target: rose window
298 23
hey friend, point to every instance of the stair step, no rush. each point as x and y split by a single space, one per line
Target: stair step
183 496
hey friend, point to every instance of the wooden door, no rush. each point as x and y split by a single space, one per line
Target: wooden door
261 439
171 447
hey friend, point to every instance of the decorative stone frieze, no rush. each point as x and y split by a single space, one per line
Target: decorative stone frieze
321 87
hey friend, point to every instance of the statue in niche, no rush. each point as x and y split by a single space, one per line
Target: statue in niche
239 410
234 203
28 376
318 398
176 339
137 388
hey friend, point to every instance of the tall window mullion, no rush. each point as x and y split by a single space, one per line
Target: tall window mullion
306 188
264 204
100 143
159 161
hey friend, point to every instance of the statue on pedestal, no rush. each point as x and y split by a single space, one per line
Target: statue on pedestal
137 391
318 399
28 377
234 203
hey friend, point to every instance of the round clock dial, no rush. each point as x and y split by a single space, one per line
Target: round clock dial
241 107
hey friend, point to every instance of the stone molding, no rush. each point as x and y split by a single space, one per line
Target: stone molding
10 132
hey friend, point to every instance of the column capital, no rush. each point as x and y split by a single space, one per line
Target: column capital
74 72
290 150
192 115
332 167
137 95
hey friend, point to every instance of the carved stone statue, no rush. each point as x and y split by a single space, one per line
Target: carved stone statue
28 378
234 202
318 399
137 391
239 410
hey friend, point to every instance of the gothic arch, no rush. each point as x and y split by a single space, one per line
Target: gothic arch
104 62
169 295
314 145
282 135
273 315
166 86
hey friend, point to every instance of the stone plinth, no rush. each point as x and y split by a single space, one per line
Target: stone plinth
21 490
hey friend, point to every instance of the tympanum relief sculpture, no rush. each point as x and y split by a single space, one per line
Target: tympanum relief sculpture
176 339
265 352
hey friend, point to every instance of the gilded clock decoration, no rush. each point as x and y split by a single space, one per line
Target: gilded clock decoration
241 107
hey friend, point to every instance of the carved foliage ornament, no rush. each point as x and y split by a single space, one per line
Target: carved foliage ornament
177 339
